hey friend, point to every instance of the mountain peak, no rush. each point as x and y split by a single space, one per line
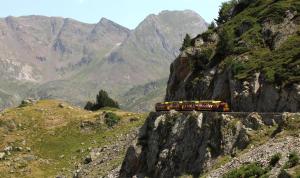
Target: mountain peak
104 20
106 23
186 11
186 19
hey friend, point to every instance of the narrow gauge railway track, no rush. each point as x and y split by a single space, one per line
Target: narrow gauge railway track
204 105
227 112
268 117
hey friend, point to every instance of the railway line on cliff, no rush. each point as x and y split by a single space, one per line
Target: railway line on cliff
233 112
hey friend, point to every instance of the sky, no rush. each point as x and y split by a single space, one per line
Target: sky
128 13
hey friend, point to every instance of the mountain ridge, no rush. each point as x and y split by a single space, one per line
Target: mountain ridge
105 55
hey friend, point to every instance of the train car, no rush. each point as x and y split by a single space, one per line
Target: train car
212 106
164 106
209 105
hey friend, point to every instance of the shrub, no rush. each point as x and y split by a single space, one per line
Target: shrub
237 67
274 159
225 45
242 5
269 74
250 170
202 59
243 27
231 8
276 13
102 100
111 119
206 36
240 50
293 160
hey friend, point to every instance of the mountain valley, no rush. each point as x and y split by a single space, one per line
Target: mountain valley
52 57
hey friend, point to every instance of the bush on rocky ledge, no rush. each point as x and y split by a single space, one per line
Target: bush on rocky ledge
111 119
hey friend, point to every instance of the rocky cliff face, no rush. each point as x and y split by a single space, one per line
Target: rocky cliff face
251 78
254 94
194 143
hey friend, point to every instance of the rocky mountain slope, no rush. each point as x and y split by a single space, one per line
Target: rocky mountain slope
148 51
51 138
251 60
37 49
56 57
42 48
142 97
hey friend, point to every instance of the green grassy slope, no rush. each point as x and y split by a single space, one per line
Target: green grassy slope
243 46
279 65
56 138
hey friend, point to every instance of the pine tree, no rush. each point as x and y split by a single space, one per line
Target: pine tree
102 100
212 26
89 106
186 42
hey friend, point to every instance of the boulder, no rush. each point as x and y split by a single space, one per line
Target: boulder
28 102
88 159
253 121
172 143
2 155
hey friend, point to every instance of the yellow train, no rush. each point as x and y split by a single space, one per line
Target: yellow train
207 105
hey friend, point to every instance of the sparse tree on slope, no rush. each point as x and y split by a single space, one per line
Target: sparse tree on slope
186 42
102 100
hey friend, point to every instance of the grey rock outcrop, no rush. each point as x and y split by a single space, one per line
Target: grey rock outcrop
254 94
175 144
96 162
275 34
2 155
262 154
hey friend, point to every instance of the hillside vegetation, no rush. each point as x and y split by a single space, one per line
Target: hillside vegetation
51 138
245 32
251 59
242 31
